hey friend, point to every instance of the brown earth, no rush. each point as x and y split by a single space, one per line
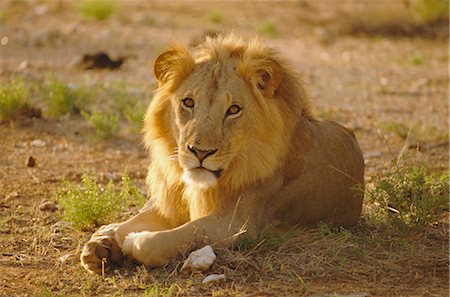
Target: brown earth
369 83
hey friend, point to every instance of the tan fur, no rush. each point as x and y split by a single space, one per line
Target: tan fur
277 163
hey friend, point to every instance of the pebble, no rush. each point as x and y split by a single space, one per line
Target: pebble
38 143
199 260
213 278
23 65
48 206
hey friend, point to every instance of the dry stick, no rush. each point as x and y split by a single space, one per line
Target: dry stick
405 146
380 132
234 212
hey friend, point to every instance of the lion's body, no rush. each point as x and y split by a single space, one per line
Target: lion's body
235 148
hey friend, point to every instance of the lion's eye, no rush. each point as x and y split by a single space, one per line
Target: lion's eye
233 110
188 102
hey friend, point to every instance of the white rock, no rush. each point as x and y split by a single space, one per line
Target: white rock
199 260
214 278
38 143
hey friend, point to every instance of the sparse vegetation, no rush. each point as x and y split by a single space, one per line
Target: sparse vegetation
417 59
426 18
215 17
91 204
130 105
268 28
61 98
409 196
97 9
105 125
13 97
156 290
416 131
433 11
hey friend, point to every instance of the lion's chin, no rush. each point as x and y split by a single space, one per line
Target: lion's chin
200 177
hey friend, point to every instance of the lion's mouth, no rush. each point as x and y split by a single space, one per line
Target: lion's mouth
217 173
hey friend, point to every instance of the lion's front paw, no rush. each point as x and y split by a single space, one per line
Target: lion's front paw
101 250
148 248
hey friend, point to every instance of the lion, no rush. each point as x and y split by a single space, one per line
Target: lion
234 148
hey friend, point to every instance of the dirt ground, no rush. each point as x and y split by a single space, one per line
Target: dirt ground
371 83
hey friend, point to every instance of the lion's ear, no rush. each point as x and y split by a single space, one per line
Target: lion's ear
173 65
264 73
269 77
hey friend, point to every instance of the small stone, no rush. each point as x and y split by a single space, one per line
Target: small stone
214 278
23 65
31 161
199 260
48 206
38 143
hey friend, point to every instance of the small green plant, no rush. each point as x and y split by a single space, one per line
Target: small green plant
156 291
61 98
130 105
417 59
91 204
13 97
268 28
97 9
433 11
45 292
399 129
135 116
105 125
215 17
408 196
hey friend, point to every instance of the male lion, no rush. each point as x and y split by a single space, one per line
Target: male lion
234 148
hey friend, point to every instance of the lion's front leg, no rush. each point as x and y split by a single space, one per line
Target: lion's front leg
104 246
155 248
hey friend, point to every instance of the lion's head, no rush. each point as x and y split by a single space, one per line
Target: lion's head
222 115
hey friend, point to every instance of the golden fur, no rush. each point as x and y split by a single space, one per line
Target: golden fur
269 143
273 162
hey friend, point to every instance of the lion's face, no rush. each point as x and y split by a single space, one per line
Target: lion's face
213 108
221 114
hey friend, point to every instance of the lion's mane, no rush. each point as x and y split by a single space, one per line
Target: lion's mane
268 145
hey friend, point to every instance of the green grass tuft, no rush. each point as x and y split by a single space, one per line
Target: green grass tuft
61 99
131 106
90 204
433 11
97 9
105 125
215 17
156 290
13 97
409 196
417 59
268 28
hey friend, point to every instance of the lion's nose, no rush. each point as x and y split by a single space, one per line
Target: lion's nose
201 154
